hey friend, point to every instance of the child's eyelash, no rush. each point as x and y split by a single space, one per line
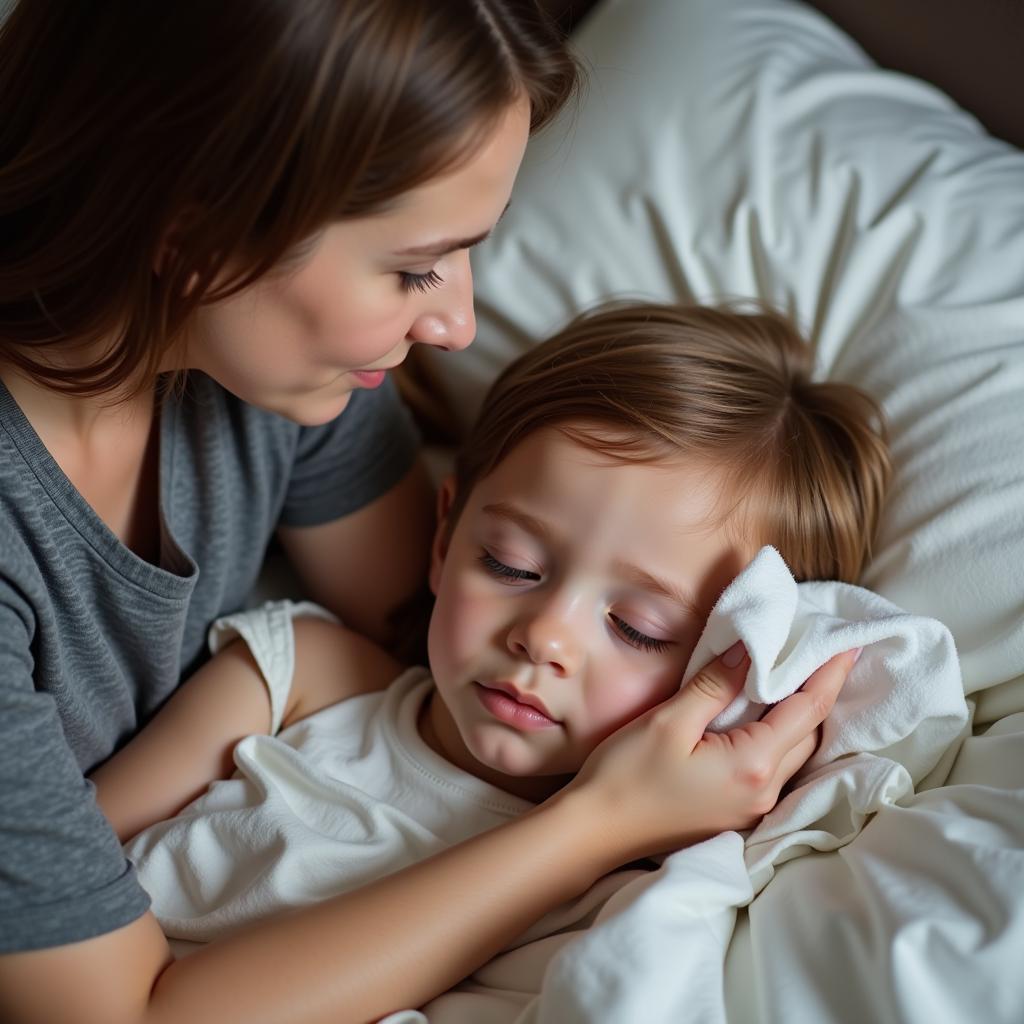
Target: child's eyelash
641 641
419 282
508 572
632 635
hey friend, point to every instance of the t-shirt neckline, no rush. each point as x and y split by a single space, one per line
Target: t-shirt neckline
82 517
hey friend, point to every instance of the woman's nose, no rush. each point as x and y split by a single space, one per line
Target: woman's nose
448 321
547 636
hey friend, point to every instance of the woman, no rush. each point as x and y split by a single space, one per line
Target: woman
220 225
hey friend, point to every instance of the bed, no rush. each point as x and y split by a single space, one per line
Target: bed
750 148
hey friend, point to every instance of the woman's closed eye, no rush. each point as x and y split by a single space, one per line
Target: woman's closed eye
633 636
419 282
506 573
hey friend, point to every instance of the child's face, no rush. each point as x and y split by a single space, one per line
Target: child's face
569 599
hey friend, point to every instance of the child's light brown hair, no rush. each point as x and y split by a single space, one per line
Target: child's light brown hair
808 461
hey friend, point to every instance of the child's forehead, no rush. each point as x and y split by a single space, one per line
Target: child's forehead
609 465
609 449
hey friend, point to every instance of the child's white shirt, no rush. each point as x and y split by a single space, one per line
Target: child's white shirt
332 803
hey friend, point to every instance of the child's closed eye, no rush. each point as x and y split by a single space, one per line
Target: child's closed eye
506 573
633 636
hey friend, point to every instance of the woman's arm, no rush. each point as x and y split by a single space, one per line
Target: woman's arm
189 742
393 944
367 565
659 783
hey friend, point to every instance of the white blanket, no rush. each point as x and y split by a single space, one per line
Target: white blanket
657 949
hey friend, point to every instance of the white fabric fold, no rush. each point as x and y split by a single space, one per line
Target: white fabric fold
903 699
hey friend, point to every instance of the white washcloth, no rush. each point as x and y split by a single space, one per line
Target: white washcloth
904 698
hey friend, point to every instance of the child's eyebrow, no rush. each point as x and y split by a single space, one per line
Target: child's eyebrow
531 524
666 588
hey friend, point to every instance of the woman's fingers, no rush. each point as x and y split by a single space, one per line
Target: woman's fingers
795 719
710 692
664 781
793 760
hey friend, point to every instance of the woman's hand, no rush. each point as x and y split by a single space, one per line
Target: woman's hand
663 782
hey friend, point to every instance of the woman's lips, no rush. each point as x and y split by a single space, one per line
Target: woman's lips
370 378
504 707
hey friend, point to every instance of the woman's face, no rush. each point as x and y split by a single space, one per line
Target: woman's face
298 343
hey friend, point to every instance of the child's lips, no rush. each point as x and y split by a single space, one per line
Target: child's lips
509 705
521 696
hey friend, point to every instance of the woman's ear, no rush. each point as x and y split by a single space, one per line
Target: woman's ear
439 549
170 240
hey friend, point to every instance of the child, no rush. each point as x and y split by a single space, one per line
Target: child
619 477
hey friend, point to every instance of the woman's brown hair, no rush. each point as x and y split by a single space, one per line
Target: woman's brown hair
189 134
808 462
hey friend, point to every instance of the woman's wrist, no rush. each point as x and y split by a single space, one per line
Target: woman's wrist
594 844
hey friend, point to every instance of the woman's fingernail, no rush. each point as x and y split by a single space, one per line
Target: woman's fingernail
734 655
856 654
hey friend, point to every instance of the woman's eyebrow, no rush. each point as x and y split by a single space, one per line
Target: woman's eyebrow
443 247
447 245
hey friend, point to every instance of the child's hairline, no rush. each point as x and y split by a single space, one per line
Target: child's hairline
736 515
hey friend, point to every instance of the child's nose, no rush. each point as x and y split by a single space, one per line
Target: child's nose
547 638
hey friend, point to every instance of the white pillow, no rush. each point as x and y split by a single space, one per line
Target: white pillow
748 148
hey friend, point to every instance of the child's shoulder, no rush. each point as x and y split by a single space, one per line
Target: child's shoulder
334 663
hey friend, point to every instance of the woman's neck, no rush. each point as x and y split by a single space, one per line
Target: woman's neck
73 417
107 447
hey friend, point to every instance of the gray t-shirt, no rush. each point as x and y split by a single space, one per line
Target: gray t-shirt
93 638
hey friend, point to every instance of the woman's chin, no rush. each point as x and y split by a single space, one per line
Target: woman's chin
308 411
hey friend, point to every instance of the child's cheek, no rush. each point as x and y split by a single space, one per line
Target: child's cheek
622 694
465 621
